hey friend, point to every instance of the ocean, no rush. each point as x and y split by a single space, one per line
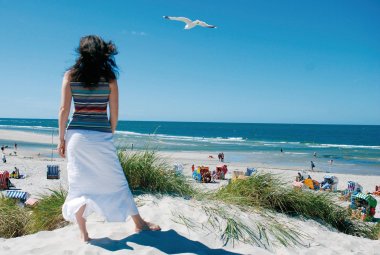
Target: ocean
353 148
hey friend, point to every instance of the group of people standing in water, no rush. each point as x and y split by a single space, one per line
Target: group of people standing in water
312 164
221 157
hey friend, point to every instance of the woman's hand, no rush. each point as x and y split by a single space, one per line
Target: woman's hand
61 148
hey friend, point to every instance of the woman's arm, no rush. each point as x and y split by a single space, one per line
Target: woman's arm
114 104
64 112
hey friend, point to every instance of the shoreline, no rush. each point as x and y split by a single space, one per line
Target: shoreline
33 144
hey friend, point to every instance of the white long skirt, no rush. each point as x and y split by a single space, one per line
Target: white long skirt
96 178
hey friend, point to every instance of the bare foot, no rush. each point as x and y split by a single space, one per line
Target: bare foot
147 226
85 237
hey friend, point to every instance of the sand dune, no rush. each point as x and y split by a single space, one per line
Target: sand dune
119 238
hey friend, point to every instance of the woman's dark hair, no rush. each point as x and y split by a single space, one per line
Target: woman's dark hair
95 61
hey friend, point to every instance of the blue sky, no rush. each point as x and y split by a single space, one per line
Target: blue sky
268 61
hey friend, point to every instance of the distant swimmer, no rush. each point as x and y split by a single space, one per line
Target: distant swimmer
315 154
281 150
331 161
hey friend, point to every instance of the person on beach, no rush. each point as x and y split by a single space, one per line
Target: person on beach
299 177
3 158
96 179
15 151
312 165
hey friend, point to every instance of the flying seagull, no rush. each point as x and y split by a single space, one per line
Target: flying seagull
190 24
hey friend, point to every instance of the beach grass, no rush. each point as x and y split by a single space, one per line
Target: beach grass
254 227
47 214
265 190
147 172
13 218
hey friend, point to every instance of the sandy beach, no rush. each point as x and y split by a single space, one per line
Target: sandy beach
118 238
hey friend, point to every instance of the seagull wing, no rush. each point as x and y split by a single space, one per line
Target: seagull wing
183 19
204 24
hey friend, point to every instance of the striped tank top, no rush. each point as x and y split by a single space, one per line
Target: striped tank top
90 107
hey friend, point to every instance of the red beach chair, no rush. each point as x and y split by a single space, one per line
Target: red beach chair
221 171
4 180
205 173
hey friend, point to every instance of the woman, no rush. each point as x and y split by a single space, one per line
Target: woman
96 180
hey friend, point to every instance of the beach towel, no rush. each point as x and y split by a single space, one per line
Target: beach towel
96 178
297 184
31 202
309 183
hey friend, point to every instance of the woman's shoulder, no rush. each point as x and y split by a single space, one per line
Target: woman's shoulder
66 79
112 83
67 76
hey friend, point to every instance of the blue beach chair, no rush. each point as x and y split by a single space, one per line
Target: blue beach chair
22 195
53 172
250 171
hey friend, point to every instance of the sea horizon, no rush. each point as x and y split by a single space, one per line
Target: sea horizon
221 122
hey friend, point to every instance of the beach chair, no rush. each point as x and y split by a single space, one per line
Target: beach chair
53 172
178 168
352 186
366 203
5 183
238 175
22 195
205 173
250 171
330 182
221 171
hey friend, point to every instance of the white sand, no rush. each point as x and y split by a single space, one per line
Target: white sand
24 136
118 238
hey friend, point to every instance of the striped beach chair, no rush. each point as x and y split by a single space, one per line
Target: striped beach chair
354 186
53 172
22 195
4 180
